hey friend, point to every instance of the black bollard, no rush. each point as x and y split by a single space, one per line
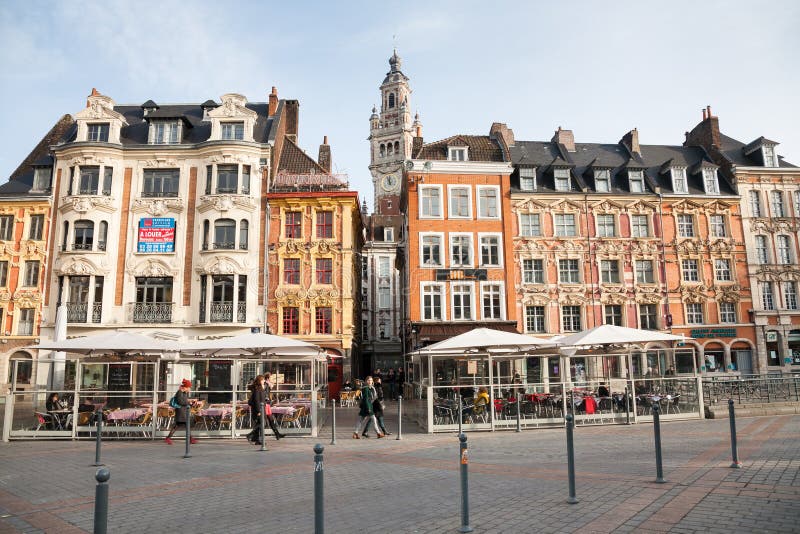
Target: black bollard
262 430
462 438
519 421
319 508
333 422
460 412
657 433
399 418
736 464
627 407
188 440
101 501
571 460
98 437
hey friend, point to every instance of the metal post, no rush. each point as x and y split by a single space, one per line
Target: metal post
519 422
333 422
101 501
462 438
735 463
319 508
399 418
98 437
627 407
188 430
657 433
571 460
460 412
261 423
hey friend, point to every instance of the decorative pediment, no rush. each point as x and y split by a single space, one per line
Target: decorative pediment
685 205
5 295
220 265
159 162
607 206
528 205
729 294
760 225
640 207
572 299
223 203
564 205
233 109
689 247
78 267
530 245
86 204
326 247
720 246
644 247
290 296
693 293
27 298
292 246
100 107
157 206
152 267
648 298
33 249
536 299
610 248
569 246
613 298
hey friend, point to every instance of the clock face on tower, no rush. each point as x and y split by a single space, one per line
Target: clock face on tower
389 182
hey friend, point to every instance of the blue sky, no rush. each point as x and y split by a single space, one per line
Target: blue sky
598 68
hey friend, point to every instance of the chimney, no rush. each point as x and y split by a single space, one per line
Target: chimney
94 92
705 134
500 131
324 159
631 142
273 102
564 137
292 118
416 145
704 113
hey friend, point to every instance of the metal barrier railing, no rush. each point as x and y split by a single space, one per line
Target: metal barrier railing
751 389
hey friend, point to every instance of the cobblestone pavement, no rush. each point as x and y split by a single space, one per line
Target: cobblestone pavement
518 482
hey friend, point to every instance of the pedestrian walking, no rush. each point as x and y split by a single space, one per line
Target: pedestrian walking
268 385
391 381
259 395
180 403
377 409
366 410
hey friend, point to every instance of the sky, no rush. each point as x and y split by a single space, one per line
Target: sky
597 68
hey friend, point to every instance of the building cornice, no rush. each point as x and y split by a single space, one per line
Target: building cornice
459 167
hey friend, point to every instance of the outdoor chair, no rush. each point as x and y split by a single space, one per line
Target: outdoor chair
164 417
294 419
44 420
605 406
143 424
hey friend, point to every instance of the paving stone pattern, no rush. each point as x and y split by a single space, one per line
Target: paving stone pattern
518 482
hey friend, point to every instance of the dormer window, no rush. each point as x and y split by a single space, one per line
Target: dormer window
233 131
636 181
165 132
42 178
388 234
527 178
768 152
562 179
679 184
457 153
710 181
97 132
602 180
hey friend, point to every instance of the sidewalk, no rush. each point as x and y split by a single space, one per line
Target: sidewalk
517 482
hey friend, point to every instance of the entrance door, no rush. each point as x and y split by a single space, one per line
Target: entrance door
743 361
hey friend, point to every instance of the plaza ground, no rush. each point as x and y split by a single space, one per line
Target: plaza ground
518 482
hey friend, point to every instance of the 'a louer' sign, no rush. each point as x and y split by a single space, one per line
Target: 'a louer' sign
156 234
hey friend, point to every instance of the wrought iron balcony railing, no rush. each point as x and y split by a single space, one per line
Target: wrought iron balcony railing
151 312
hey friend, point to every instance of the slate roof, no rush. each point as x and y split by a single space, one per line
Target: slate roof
480 148
735 152
294 160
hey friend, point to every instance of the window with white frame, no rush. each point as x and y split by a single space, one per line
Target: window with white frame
232 131
644 272
430 201
768 151
432 295
762 250
694 313
431 253
534 319
461 250
565 225
609 271
755 203
31 278
42 179
462 302
97 132
490 251
492 299
533 271
796 198
612 314
568 271
488 202
460 202
790 295
648 317
527 178
570 318
562 179
710 181
36 227
689 271
602 180
26 321
457 153
636 181
6 227
165 132
388 235
722 270
717 225
605 226
776 203
685 226
530 225
384 297
679 183
383 266
639 226
727 312
783 248
767 299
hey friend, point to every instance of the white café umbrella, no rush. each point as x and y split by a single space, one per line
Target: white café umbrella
250 344
117 342
614 335
488 339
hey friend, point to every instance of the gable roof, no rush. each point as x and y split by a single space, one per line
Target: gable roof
480 148
294 160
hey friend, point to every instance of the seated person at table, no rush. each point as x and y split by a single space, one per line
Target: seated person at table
602 391
52 403
86 405
483 396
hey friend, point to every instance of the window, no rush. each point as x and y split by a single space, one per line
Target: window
776 202
636 181
293 225
291 271
245 179
609 271
613 314
647 317
533 271
241 305
430 199
527 178
3 273
644 272
459 202
383 267
568 271
227 178
31 278
84 235
26 320
570 318
562 180
767 300
530 225
796 196
291 320
490 251
388 235
790 295
710 181
488 202
161 183
769 156
6 227
755 203
89 180
108 176
602 180
784 249
324 224
165 132
689 271
209 176
432 302
244 232
36 228
685 226
727 312
460 250
431 251
324 320
457 153
722 270
225 234
324 270
565 225
102 236
98 132
694 313
605 226
233 131
717 225
679 184
384 297
762 253
42 179
639 226
534 319
462 302
491 295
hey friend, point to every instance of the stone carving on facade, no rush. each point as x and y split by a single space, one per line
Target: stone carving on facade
220 265
87 159
606 206
720 246
568 246
326 247
528 206
693 293
613 298
640 207
526 244
26 298
535 300
729 294
689 247
645 247
86 204
159 162
152 268
564 206
686 206
157 206
716 207
226 202
5 295
32 249
78 267
572 299
610 248
292 246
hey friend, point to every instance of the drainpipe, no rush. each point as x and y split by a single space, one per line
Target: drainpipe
591 256
663 268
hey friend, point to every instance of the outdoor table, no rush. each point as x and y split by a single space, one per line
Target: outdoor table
126 414
59 417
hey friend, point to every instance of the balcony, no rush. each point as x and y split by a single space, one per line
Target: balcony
83 247
78 312
222 312
151 312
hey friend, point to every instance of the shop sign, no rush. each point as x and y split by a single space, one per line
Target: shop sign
472 367
699 333
156 234
772 337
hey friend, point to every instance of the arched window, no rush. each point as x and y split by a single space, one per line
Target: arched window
102 236
84 235
65 236
391 100
20 368
205 234
397 147
383 150
243 231
389 149
224 234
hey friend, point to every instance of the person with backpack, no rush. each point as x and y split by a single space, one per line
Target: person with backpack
180 402
366 410
377 409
